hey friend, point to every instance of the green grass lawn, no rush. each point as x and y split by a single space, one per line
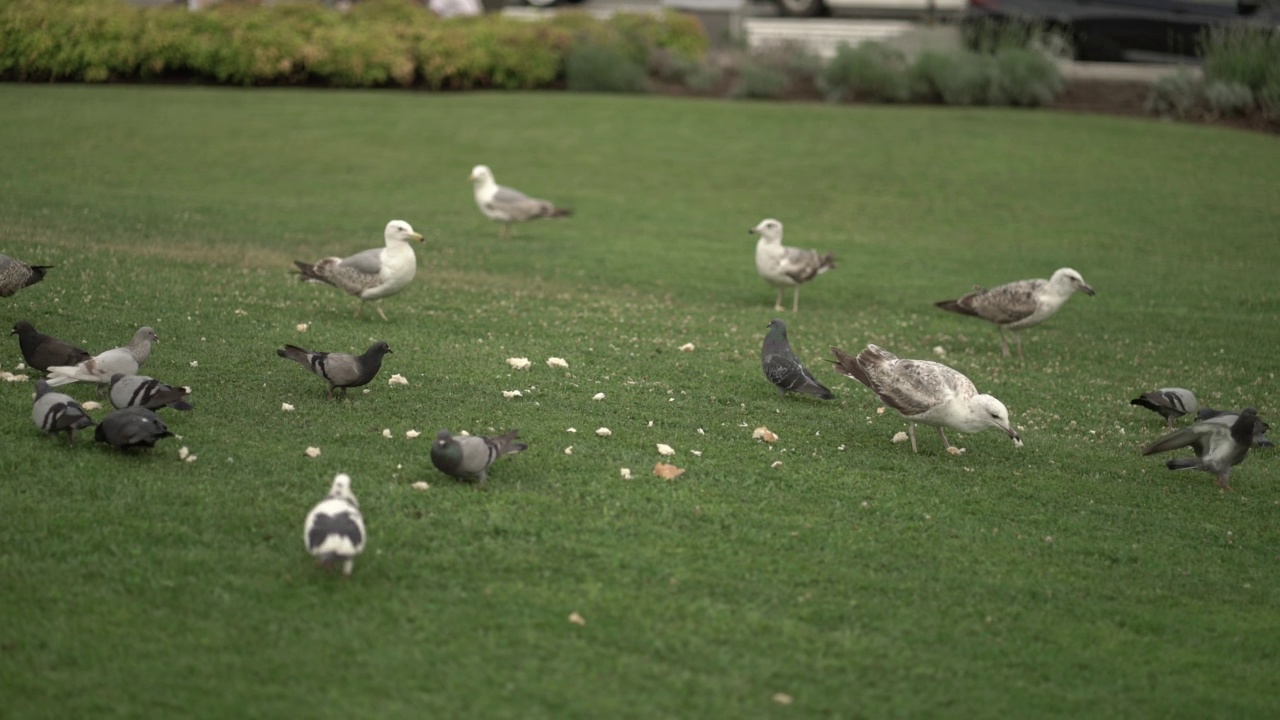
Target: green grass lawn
1070 578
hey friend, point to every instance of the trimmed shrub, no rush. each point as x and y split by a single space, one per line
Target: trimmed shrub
1176 95
760 81
871 71
963 78
1026 77
669 66
1229 98
1249 56
1269 101
705 78
592 67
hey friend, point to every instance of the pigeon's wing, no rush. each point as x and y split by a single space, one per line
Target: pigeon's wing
913 387
340 369
1201 436
1004 304
335 527
368 262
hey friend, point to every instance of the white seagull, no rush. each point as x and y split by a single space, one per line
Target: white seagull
507 205
372 274
786 267
1019 304
926 392
334 529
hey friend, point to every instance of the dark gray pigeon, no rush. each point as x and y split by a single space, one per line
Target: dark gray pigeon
1260 428
54 412
130 428
40 351
15 275
334 529
1220 443
1171 403
469 457
147 392
783 368
340 369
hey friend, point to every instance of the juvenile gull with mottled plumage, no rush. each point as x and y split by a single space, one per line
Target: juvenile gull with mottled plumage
1020 304
15 275
926 392
786 267
372 274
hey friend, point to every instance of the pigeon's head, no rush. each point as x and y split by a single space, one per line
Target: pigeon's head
400 231
22 328
777 327
443 438
1072 280
144 335
341 488
991 412
379 349
769 230
481 174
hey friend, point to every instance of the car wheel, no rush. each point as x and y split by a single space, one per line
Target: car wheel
801 8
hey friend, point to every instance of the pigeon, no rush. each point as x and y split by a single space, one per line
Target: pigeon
1019 304
1172 403
923 391
54 412
783 368
1260 428
100 368
372 274
142 391
130 428
40 350
15 275
1220 443
506 205
340 369
334 529
469 457
783 266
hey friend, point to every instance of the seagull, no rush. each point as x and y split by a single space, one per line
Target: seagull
130 428
1220 443
100 368
1260 428
783 368
507 205
1172 403
54 412
372 274
469 457
783 266
339 369
334 529
923 391
40 350
1020 304
15 275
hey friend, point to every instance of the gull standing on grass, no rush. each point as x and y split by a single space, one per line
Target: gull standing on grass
926 392
1019 304
372 274
786 267
334 529
507 205
15 275
100 368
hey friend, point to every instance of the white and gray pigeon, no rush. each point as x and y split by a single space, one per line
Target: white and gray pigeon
372 274
140 390
783 368
468 457
54 412
786 267
1220 443
1260 428
131 428
100 368
926 392
339 369
508 205
334 529
15 275
1171 403
1020 304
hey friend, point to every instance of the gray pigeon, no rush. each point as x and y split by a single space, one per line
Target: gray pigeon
372 274
1020 304
54 412
783 368
1172 403
507 205
1260 428
142 391
130 428
340 369
40 350
469 457
15 275
334 529
1220 443
100 368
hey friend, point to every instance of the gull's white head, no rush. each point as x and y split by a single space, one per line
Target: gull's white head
1070 280
341 488
481 174
988 412
400 231
769 230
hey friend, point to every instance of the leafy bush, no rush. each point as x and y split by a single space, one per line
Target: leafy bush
758 80
871 71
796 61
990 36
705 78
1025 77
1176 95
1229 98
1249 56
592 67
669 66
1269 101
962 78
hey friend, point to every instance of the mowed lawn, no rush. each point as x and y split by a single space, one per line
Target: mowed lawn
1069 578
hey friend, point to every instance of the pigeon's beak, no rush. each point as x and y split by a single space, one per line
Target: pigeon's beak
1087 290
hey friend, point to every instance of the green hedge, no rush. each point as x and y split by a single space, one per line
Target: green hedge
377 43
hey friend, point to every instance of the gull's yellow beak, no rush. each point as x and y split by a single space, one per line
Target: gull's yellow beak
417 236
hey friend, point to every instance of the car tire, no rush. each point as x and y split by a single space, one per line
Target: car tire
801 8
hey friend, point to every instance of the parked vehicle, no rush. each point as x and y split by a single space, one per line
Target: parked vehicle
1118 30
814 8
